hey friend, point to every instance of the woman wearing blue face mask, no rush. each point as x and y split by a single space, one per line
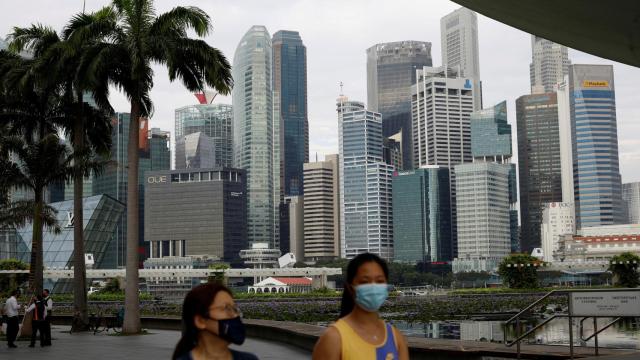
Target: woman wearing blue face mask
210 322
360 334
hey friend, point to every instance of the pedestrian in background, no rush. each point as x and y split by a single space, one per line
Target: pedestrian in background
359 333
39 314
46 326
11 309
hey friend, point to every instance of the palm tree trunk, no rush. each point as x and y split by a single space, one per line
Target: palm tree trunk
36 268
80 315
131 323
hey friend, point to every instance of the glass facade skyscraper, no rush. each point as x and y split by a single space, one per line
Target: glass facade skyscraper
101 214
290 84
491 133
631 198
391 70
254 133
594 145
538 162
422 215
366 223
214 121
549 65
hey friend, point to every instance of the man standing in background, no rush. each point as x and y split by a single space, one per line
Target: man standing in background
46 325
11 311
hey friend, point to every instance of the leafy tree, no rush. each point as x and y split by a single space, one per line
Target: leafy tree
126 38
519 271
219 274
625 270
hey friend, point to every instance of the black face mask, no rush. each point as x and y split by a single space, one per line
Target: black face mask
232 330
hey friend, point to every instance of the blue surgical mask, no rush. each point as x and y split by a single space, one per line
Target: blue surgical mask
232 330
370 297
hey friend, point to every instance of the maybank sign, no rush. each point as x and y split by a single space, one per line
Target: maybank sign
595 83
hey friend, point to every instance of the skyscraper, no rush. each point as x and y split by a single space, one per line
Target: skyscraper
391 70
422 215
253 132
631 198
538 162
365 183
195 151
322 209
549 65
486 194
459 39
442 103
290 84
213 120
589 104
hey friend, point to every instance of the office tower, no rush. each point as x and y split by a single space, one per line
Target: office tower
296 226
365 183
538 161
587 113
422 215
290 84
631 198
392 150
322 209
486 194
557 221
154 154
442 103
391 70
195 151
214 121
549 65
459 39
196 212
253 133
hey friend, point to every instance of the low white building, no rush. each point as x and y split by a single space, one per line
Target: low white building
558 219
282 285
600 243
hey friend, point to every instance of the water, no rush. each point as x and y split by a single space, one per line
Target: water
624 334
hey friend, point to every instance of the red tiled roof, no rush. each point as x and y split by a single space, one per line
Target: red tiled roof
294 280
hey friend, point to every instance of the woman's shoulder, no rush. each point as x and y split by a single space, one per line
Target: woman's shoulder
185 356
240 355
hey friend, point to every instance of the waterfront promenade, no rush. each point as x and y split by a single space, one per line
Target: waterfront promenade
158 344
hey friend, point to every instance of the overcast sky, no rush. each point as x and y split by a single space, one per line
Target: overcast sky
336 34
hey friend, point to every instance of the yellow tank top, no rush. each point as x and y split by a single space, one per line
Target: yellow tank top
356 348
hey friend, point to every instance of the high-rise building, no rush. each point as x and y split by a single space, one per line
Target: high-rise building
322 209
392 150
391 70
195 151
459 39
154 154
253 132
549 65
631 198
196 212
538 162
557 221
290 84
487 224
365 183
213 120
586 106
296 226
484 231
442 103
422 215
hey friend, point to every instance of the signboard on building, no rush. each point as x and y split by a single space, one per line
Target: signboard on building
594 83
606 303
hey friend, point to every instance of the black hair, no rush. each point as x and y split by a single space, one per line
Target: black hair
196 302
348 302
15 292
47 290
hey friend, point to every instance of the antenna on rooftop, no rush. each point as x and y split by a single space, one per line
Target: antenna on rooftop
341 85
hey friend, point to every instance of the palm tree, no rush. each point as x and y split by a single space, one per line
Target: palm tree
127 37
88 128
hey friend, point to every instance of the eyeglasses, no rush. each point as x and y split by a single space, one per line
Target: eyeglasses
229 309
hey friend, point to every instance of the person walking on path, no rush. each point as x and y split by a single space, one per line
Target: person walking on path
46 325
11 309
211 321
359 333
39 314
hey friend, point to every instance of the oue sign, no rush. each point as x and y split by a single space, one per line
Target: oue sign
157 179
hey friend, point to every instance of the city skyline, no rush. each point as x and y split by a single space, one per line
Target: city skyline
503 77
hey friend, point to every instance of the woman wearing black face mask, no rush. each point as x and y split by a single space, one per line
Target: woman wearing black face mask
210 322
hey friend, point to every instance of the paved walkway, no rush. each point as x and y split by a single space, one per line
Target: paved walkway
158 344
